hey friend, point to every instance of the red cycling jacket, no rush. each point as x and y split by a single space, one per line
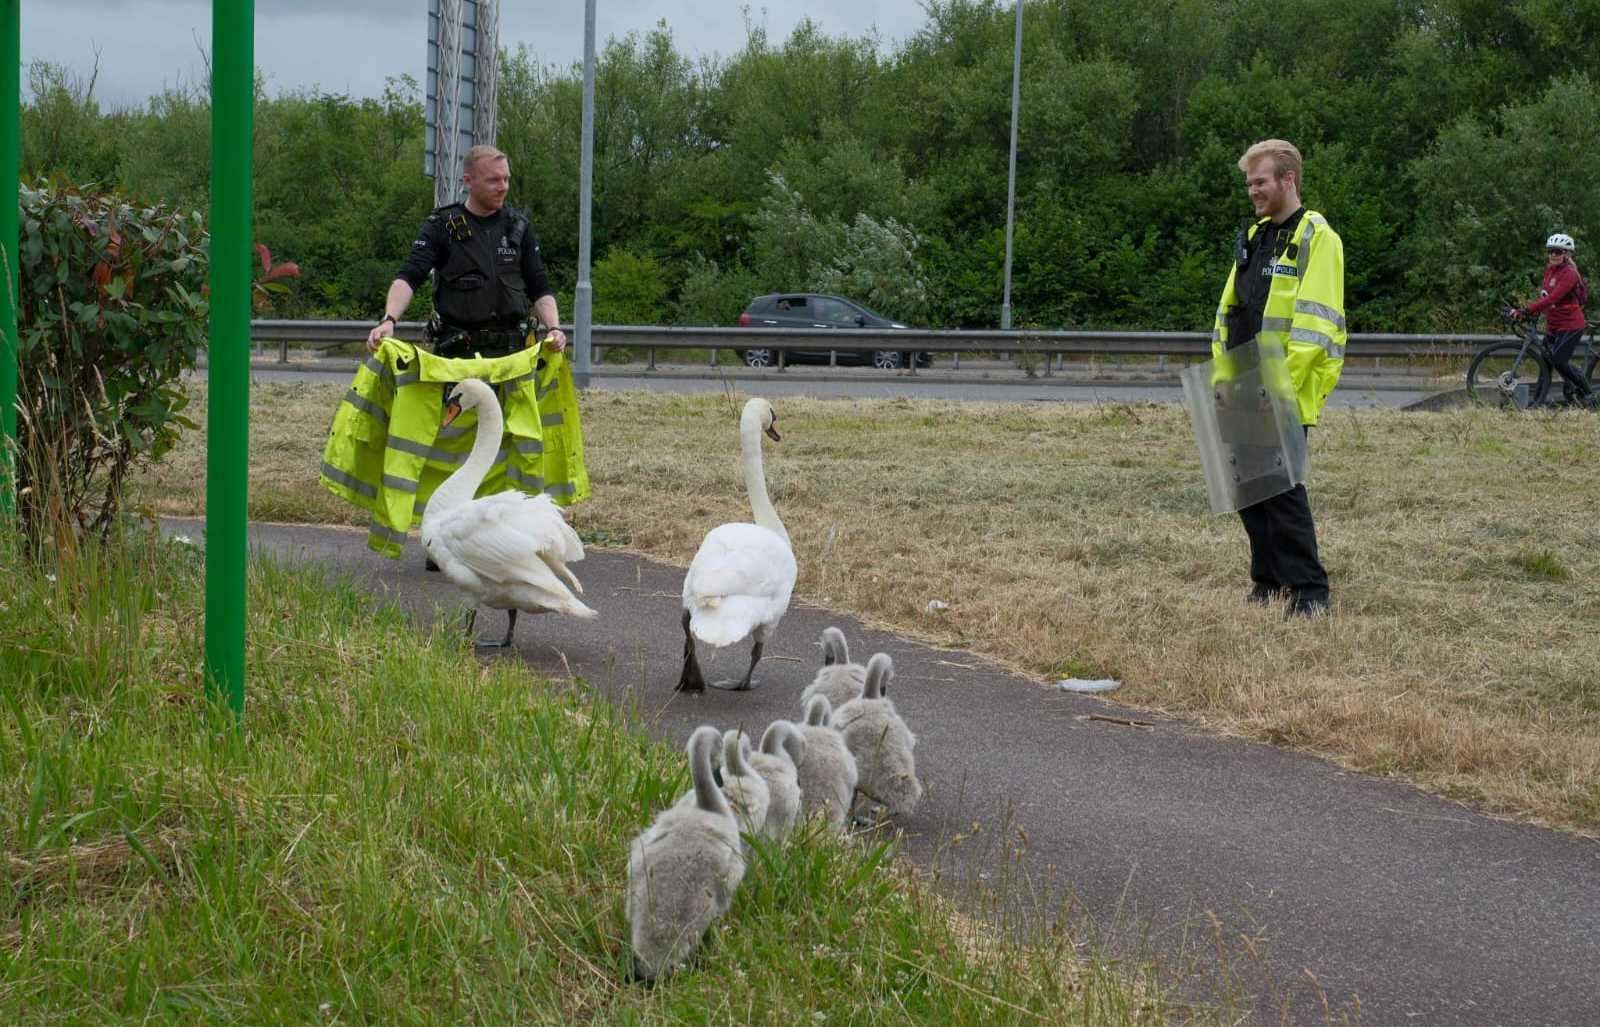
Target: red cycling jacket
1557 300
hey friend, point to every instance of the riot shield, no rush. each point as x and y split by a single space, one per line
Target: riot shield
1247 424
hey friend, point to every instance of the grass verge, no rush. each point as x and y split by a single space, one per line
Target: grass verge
401 835
1074 539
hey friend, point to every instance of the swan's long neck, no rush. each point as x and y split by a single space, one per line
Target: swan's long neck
707 795
463 483
755 479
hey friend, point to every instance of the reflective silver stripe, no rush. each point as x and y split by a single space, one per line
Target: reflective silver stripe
398 484
512 381
376 366
366 406
444 456
550 421
528 482
386 533
1304 259
1276 324
1317 339
452 431
349 481
529 447
555 383
411 377
562 489
1216 336
1321 310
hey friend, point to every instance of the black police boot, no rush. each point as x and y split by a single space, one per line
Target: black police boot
1308 606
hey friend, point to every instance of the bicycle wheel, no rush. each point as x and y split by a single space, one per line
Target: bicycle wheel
1591 371
1497 378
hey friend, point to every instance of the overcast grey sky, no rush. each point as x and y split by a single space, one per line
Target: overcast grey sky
351 47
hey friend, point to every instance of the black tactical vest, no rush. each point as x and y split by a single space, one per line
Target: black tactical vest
480 284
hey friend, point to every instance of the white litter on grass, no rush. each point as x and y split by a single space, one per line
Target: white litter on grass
937 606
1088 684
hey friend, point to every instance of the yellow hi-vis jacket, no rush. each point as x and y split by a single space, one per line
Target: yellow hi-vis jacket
386 452
1304 312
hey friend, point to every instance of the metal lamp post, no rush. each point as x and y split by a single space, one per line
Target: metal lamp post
1011 176
583 298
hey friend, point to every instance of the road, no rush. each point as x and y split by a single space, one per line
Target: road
1354 890
986 381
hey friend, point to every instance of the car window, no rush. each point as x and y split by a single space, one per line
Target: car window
832 311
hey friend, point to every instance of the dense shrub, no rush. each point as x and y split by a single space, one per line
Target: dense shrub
112 311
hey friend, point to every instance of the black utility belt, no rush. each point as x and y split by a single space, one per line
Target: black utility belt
449 341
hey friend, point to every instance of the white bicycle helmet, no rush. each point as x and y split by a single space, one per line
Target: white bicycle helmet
1560 241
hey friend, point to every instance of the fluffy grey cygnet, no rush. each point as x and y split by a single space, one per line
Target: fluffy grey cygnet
746 791
880 742
837 678
828 773
683 869
783 748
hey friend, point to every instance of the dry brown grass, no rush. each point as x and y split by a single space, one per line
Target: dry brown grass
1464 550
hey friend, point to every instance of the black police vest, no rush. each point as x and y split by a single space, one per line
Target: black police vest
480 283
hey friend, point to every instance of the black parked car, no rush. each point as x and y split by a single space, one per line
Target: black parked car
819 310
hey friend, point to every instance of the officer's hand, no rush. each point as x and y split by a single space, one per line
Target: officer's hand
382 330
556 340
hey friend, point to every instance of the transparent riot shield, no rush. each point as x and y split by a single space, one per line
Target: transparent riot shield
1247 424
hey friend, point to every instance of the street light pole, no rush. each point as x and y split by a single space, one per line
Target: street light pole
583 299
1011 177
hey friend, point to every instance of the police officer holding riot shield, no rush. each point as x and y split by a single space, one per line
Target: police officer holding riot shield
488 275
1286 288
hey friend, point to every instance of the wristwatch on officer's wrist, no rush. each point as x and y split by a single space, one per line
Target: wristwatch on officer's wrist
389 318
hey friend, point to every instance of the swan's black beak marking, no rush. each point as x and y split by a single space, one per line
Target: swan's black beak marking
772 431
452 409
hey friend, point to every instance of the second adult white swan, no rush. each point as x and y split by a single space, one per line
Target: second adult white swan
739 582
509 550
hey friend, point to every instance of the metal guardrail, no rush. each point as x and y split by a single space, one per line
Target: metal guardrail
320 333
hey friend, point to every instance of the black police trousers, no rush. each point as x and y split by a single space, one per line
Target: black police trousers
1283 549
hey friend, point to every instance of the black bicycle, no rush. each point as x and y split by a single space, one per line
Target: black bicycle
1517 374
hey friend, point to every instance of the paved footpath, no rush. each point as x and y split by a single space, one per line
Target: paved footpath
1414 910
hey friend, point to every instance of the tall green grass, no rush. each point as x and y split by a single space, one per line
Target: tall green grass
400 834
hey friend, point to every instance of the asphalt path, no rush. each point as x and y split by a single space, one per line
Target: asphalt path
1366 894
976 381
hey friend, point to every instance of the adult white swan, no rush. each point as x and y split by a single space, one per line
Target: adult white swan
739 582
509 550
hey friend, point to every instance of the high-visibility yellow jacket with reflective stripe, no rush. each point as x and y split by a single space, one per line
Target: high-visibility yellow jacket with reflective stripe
1304 312
386 452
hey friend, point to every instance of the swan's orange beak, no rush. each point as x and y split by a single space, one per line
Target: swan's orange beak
452 410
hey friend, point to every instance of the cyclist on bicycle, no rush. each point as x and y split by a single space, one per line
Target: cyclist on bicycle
1561 297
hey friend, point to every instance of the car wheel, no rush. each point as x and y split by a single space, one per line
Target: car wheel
758 358
886 359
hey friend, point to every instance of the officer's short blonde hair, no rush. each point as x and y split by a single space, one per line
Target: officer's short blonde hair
1285 158
481 152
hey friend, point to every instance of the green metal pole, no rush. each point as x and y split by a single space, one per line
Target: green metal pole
10 170
228 414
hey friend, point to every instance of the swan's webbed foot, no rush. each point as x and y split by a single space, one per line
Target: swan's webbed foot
746 684
486 643
690 679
